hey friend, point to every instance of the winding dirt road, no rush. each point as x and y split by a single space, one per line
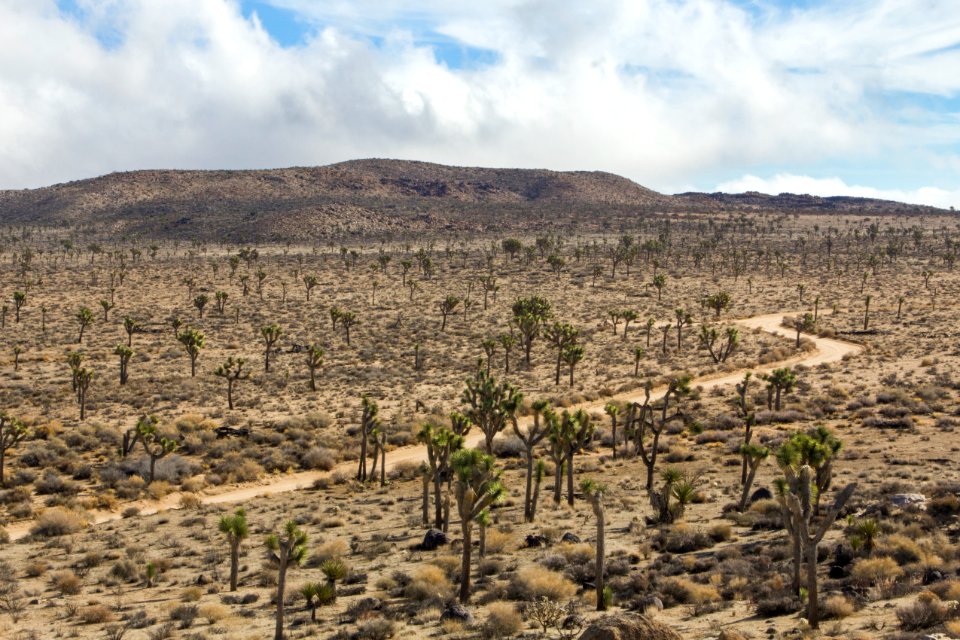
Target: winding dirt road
828 350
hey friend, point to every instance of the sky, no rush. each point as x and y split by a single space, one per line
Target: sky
810 96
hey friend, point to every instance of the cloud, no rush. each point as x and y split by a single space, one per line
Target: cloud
666 92
789 183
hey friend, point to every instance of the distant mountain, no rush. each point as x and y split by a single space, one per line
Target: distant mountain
371 197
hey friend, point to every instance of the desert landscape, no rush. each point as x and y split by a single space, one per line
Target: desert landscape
391 399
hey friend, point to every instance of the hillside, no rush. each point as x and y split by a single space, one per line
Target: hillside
367 197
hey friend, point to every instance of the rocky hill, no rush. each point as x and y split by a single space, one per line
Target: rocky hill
366 197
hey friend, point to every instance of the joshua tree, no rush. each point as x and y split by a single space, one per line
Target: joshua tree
595 492
719 302
17 350
74 361
155 445
235 529
368 422
638 353
804 324
794 492
683 318
507 341
221 301
19 299
261 276
900 300
193 342
200 302
131 326
285 550
749 420
125 353
538 471
779 381
478 487
317 594
489 347
529 315
309 282
615 317
84 319
447 306
643 419
649 329
676 485
571 356
175 324
628 315
347 320
530 438
490 404
659 281
511 246
575 432
666 333
334 570
84 377
719 352
441 444
866 311
562 336
245 283
613 410
231 371
314 362
753 455
12 431
405 266
106 305
483 521
270 334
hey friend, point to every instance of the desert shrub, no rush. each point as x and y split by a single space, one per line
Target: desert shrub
947 505
508 447
428 582
36 568
899 547
191 594
58 521
376 629
838 606
532 583
576 553
67 583
720 532
125 569
683 538
318 458
95 614
497 541
926 611
330 550
185 615
503 621
776 606
687 591
872 571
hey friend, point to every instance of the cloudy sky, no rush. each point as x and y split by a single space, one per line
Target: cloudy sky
815 96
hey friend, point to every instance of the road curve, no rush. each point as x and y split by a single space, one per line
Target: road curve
827 350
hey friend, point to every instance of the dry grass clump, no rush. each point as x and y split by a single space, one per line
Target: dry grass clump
376 629
503 621
95 614
687 591
67 583
58 521
899 547
532 583
498 541
428 582
838 607
213 612
576 553
875 571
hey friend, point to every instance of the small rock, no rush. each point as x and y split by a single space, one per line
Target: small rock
907 499
571 538
458 612
434 538
202 580
650 602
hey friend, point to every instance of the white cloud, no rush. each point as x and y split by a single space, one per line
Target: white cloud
789 183
662 91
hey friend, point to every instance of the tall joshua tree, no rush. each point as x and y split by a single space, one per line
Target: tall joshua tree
804 324
651 418
314 362
571 356
595 492
309 282
441 444
131 327
19 299
477 488
543 418
84 378
193 342
286 550
683 318
368 422
125 353
612 409
779 381
576 431
200 302
754 455
529 316
490 404
84 319
562 336
12 431
270 334
447 306
235 528
231 371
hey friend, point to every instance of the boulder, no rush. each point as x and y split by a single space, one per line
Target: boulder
629 627
761 494
535 540
907 499
433 539
571 538
457 612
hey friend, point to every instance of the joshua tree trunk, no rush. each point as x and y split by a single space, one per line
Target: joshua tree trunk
466 527
534 499
601 551
426 498
570 478
234 563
